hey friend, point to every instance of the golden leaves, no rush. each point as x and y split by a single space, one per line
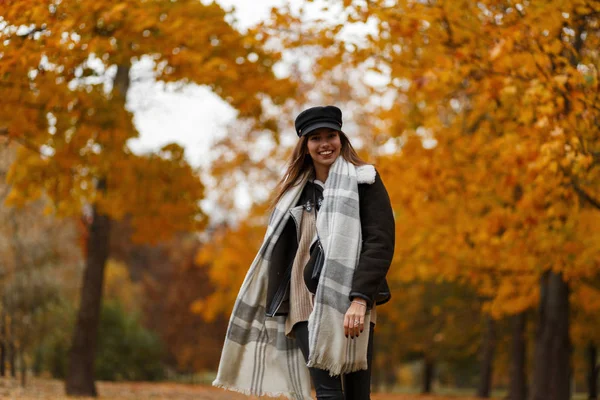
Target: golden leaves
503 148
52 102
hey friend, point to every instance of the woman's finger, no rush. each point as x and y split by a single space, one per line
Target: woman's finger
355 324
346 325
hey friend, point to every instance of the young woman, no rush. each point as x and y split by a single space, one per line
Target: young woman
306 309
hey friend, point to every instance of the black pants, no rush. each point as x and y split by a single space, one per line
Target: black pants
356 385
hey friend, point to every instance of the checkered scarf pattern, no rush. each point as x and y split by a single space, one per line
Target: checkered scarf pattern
258 358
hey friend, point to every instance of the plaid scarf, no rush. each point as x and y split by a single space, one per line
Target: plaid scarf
258 358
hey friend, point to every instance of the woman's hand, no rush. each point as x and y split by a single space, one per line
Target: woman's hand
354 320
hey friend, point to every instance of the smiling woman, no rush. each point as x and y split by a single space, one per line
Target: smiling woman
281 324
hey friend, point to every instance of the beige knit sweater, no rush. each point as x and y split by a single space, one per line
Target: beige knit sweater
301 304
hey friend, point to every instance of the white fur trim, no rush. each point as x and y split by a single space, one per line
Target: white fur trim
365 174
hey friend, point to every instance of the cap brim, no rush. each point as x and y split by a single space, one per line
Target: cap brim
311 128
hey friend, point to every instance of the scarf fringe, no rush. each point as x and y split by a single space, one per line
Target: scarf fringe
334 368
248 392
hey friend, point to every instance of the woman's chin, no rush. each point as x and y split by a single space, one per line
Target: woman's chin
329 160
326 162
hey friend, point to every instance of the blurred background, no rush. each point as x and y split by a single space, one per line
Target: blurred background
140 143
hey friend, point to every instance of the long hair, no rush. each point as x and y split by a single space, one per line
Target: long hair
301 162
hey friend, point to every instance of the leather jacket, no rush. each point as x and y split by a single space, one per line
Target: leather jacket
378 236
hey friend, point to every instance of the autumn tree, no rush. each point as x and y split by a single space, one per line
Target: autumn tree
74 128
490 112
494 106
37 254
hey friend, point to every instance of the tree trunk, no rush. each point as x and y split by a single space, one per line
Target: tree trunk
12 356
428 370
3 346
122 80
518 379
23 368
592 378
552 372
3 358
80 375
487 358
389 377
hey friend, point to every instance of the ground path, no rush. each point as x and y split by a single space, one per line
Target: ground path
47 389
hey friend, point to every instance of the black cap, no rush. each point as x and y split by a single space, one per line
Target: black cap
318 117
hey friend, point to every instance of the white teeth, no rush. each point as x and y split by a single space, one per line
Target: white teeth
324 153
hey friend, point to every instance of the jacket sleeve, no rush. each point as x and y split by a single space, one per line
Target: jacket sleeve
378 238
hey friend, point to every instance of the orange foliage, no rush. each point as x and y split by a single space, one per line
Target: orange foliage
74 130
482 121
493 116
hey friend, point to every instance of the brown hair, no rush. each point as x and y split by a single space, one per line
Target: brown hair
301 162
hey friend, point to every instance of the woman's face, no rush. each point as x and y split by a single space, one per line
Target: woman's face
324 146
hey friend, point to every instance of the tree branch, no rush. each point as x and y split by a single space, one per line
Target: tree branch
586 196
30 146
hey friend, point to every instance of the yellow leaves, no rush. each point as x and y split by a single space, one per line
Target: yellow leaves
509 90
119 286
503 44
119 7
14 198
112 16
573 248
19 177
544 110
584 9
492 202
89 135
586 298
555 46
210 307
561 79
526 116
514 296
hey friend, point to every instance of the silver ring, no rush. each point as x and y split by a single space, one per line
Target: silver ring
356 323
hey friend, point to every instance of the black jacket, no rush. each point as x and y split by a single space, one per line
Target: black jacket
378 237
